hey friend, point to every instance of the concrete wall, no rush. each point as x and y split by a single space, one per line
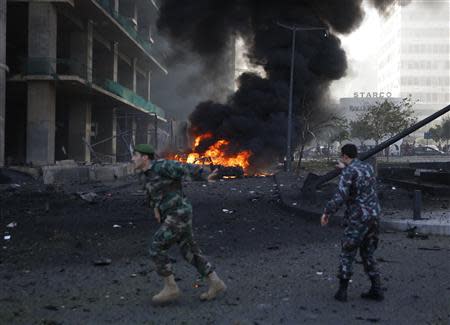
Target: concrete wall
42 38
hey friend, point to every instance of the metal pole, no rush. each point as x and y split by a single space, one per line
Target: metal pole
3 70
291 90
330 175
156 131
294 29
417 205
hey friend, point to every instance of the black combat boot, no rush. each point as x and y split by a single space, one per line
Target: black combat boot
375 292
341 294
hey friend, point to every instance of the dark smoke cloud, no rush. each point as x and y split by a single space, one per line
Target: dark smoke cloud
254 118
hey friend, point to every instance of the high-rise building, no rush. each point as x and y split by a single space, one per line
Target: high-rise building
78 81
414 54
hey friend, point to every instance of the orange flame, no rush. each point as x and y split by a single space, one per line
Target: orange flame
216 154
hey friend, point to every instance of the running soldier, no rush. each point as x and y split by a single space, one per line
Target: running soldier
357 190
163 184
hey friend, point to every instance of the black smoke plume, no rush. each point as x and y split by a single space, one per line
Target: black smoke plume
255 116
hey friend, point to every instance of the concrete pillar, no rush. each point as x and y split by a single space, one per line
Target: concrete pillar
134 67
133 129
142 130
90 49
125 127
81 51
136 15
107 130
3 69
116 61
116 5
42 35
149 75
80 114
41 123
150 124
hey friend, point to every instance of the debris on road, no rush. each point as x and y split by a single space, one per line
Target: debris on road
429 248
90 197
412 234
11 225
51 307
102 262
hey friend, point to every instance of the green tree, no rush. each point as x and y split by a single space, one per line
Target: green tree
339 131
436 134
359 130
445 132
387 118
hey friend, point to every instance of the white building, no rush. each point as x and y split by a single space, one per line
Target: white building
414 54
352 107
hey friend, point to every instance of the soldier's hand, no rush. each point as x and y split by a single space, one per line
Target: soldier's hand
157 215
340 165
324 220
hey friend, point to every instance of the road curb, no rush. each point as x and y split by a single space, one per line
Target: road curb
426 227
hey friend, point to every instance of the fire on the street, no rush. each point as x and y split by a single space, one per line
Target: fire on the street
216 154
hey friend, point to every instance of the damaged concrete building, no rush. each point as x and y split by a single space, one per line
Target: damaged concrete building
75 80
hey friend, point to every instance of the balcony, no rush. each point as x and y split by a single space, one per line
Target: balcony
110 23
73 74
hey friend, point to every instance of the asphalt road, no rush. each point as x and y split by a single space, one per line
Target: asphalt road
279 267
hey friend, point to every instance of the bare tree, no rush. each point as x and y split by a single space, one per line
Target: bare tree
312 120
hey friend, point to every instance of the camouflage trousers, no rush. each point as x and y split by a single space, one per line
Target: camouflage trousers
362 236
177 229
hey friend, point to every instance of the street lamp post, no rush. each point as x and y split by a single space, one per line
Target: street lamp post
294 29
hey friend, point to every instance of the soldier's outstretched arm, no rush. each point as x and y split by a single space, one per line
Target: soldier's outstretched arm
176 170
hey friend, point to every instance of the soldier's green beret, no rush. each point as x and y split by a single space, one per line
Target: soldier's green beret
144 148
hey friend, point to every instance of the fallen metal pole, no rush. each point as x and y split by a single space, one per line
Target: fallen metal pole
313 181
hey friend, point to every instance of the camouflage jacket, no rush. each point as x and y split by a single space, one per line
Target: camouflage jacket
357 189
163 184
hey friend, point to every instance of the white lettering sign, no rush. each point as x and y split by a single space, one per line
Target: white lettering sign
374 94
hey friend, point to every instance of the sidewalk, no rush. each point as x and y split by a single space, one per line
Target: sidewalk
435 216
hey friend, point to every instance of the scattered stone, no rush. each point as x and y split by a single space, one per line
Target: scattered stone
102 262
50 322
11 225
429 248
412 234
51 307
264 306
90 197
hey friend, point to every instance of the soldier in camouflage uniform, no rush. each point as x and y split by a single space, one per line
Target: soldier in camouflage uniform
163 184
357 190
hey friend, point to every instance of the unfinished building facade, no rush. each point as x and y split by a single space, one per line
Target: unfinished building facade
78 80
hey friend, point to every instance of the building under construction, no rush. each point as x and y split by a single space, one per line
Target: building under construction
75 80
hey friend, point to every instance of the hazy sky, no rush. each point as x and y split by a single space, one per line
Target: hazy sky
361 49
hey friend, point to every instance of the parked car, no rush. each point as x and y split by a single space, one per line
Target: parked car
427 151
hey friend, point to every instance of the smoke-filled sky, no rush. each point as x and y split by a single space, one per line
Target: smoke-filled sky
254 118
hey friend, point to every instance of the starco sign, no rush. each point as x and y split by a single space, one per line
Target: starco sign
374 94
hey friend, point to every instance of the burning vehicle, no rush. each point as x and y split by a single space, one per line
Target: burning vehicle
216 156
